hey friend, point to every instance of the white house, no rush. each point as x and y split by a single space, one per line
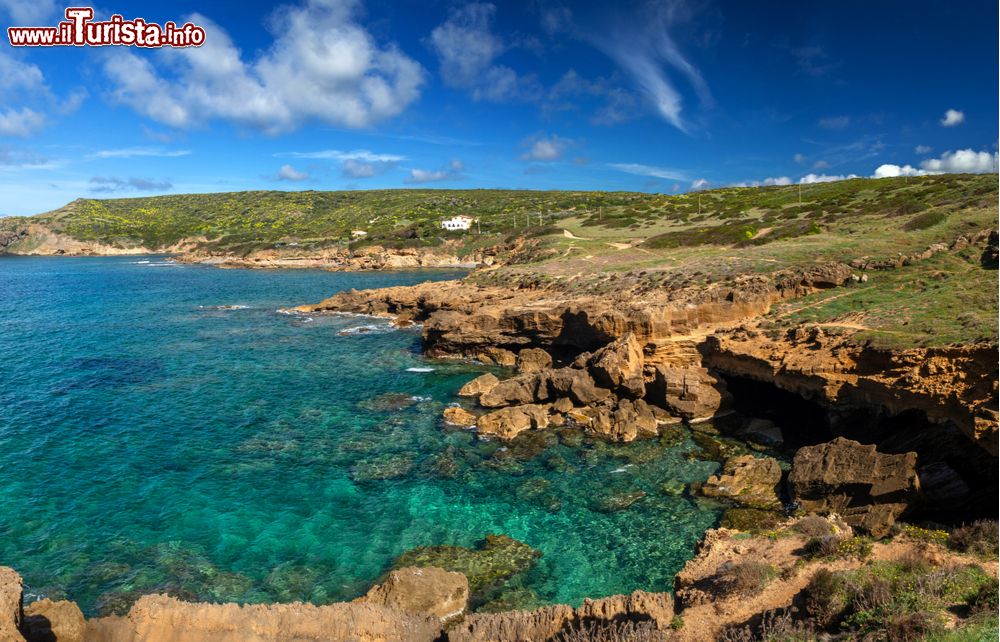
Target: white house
358 234
460 222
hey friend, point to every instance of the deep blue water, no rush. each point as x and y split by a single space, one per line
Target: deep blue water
152 441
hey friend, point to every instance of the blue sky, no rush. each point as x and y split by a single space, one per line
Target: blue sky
655 96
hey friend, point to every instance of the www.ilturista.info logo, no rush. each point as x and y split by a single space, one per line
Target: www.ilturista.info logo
80 30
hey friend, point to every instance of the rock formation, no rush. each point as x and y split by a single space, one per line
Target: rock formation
870 490
747 481
426 590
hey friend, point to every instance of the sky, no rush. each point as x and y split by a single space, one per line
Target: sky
659 96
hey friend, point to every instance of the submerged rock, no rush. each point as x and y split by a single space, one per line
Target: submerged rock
867 488
495 559
388 402
388 466
613 502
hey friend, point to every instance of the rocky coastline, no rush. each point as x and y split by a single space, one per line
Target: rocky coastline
880 440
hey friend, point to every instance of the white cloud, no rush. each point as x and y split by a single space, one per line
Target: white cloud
923 149
322 66
289 173
650 170
357 154
452 172
821 164
544 148
799 158
963 161
808 179
892 171
17 159
835 122
778 180
700 184
953 117
20 122
28 13
131 152
466 48
18 75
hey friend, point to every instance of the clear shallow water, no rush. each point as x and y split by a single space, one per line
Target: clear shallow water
150 441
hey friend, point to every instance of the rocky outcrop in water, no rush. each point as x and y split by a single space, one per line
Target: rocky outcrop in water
427 590
748 481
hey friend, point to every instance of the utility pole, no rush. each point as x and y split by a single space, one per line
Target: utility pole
699 204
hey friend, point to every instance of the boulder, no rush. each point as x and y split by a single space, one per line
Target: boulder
691 393
456 416
507 423
618 366
51 621
868 489
627 421
525 388
427 590
479 385
499 356
575 384
748 481
533 360
10 605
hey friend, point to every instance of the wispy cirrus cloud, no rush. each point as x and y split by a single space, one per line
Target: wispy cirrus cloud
341 155
134 152
639 169
103 184
643 47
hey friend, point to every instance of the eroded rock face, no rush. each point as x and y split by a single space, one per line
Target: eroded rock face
427 590
618 367
533 360
479 385
748 481
456 416
544 623
10 605
509 422
867 488
576 385
158 618
627 421
50 621
691 393
522 389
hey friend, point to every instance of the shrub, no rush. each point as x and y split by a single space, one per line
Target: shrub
746 578
833 547
925 220
929 535
825 598
912 627
813 526
978 538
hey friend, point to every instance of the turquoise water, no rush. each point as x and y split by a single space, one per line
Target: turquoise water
150 441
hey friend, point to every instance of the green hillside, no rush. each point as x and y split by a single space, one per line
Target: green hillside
239 222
